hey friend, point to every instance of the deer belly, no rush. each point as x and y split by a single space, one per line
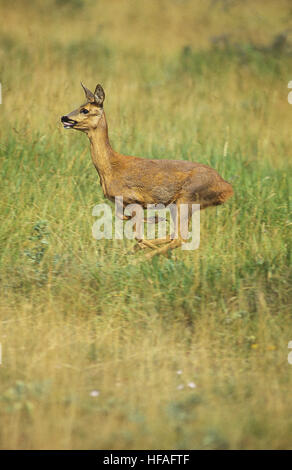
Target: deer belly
139 197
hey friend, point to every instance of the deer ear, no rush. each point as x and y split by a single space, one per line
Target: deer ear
99 95
89 95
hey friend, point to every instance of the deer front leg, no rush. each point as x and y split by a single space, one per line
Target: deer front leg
120 212
160 241
155 220
164 250
142 243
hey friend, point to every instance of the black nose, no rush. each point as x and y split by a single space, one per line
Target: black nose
64 119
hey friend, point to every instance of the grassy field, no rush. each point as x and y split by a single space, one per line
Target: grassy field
185 352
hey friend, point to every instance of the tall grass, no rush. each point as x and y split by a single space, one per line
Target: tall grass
201 81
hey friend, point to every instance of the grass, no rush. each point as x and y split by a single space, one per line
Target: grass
202 81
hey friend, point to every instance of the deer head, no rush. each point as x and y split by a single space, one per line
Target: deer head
88 115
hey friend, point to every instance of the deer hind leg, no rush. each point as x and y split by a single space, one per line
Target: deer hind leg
169 238
175 242
160 241
155 241
164 250
142 243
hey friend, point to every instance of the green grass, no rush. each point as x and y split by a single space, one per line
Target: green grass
78 315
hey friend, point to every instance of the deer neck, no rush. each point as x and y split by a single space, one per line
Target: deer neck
101 152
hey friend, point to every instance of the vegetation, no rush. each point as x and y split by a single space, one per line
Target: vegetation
185 352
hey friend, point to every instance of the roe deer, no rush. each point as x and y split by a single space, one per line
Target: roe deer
141 180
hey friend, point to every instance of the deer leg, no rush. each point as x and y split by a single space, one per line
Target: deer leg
172 243
169 238
142 243
145 243
164 250
160 241
139 245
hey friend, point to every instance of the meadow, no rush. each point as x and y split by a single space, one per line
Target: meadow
181 352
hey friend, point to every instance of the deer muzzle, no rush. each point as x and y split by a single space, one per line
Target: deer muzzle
67 122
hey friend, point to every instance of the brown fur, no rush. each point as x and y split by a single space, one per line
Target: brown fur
141 180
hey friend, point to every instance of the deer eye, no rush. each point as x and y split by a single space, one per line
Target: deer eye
84 111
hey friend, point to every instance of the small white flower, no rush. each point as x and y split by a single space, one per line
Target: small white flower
180 387
191 385
179 372
94 393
